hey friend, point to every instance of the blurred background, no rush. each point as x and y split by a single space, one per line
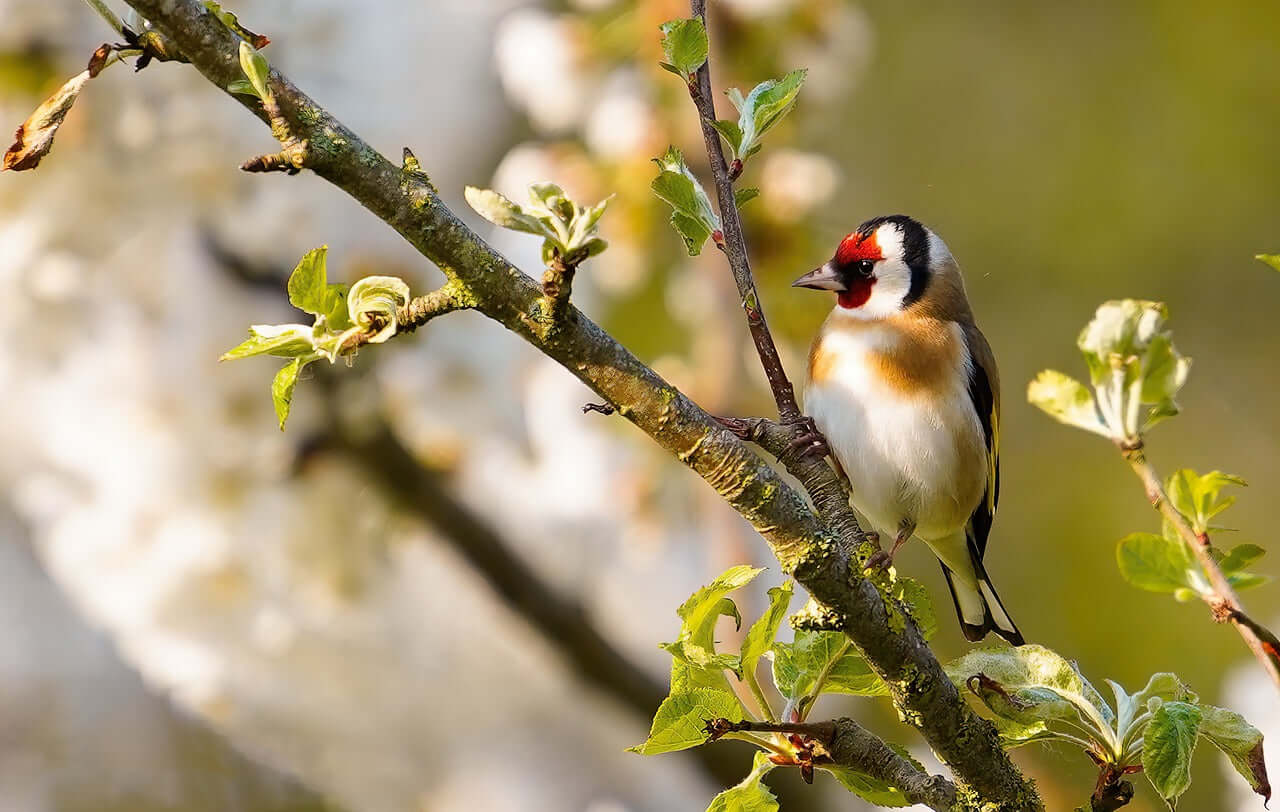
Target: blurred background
384 607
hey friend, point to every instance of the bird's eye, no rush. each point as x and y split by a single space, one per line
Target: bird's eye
865 267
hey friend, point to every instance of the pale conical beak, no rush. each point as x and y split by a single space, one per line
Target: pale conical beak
824 278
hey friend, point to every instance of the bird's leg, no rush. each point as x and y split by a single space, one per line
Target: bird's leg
808 438
881 560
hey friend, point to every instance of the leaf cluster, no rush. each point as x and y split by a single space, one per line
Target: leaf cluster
1034 695
1134 369
568 231
345 318
1164 563
703 681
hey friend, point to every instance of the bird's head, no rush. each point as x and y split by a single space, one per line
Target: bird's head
882 268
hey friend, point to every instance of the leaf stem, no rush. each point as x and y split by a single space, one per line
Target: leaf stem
753 682
811 698
107 14
760 741
1225 595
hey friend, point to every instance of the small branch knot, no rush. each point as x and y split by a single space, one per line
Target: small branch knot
557 285
275 162
1221 610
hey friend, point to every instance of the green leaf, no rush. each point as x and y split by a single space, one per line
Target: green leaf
585 222
243 87
282 387
230 21
1271 259
1241 556
1241 742
1157 564
1067 400
308 282
1166 687
695 661
1196 496
827 656
742 194
751 795
693 217
693 232
1241 581
502 212
684 45
255 68
760 636
1164 371
1031 684
310 292
1170 742
732 134
681 718
765 106
378 299
281 340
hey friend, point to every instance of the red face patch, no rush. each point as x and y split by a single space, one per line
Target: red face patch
857 295
856 247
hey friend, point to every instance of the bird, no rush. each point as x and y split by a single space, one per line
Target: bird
904 388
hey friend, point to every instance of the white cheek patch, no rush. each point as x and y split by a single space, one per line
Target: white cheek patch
893 283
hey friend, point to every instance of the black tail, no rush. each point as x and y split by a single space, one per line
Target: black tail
985 596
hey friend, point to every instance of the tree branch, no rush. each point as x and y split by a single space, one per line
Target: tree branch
816 550
848 744
1224 601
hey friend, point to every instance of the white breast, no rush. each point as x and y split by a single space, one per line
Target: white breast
919 456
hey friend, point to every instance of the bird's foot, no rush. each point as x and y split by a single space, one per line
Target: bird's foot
879 560
741 428
810 441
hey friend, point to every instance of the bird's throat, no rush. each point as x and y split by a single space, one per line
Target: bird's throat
857 295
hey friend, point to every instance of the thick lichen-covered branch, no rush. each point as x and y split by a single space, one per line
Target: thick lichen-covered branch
817 550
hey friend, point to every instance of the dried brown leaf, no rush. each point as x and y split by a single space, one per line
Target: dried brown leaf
99 59
34 137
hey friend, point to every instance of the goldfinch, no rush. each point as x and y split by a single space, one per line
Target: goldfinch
904 387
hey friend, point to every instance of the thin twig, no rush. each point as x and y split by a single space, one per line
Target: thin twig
107 14
846 743
735 246
1224 594
424 308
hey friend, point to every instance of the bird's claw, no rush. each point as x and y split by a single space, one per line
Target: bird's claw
879 560
810 440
